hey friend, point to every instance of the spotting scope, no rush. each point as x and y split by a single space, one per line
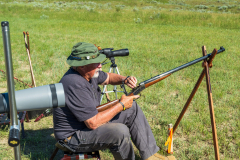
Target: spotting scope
117 53
43 97
38 98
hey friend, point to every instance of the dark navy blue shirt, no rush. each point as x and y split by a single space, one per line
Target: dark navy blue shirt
82 97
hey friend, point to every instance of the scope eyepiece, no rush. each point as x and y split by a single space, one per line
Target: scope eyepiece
117 53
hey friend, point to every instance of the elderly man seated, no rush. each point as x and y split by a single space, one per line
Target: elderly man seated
85 129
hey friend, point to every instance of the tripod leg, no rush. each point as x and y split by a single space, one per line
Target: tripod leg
117 70
107 96
122 85
210 100
115 87
105 90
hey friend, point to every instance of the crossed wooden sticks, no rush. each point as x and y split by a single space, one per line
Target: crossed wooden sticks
26 38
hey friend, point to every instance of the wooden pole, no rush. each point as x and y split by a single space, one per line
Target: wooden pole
28 42
211 108
206 65
29 58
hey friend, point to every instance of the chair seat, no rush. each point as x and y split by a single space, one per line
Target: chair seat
70 154
81 155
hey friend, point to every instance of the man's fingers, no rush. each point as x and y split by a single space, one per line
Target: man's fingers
134 80
131 82
130 85
129 97
136 96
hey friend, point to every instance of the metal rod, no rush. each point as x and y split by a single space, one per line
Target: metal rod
14 130
181 67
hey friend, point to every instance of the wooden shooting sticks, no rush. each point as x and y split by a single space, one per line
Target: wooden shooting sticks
206 65
27 45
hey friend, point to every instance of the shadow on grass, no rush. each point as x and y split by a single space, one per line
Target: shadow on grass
39 144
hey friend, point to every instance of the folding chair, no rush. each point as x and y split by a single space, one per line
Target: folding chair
70 154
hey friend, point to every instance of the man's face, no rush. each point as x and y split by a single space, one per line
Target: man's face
92 70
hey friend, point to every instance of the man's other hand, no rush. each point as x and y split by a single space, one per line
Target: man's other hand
131 82
128 100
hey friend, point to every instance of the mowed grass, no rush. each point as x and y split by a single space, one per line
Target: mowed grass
158 40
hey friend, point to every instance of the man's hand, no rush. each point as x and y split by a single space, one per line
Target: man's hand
116 79
131 82
106 115
128 100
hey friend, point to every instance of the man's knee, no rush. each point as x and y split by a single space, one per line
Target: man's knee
117 131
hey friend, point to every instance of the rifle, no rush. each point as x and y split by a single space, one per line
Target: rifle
154 80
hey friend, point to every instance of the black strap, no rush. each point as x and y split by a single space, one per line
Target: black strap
54 95
122 105
125 80
2 107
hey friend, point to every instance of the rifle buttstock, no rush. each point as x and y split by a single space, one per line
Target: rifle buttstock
105 106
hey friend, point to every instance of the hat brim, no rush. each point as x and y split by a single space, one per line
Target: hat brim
74 62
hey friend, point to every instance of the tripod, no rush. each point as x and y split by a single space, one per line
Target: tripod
114 68
206 65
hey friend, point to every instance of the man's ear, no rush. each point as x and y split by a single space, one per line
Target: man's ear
75 68
81 68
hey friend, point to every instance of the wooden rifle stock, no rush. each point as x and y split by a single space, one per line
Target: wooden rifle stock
108 105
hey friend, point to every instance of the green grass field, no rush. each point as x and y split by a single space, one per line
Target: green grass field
160 36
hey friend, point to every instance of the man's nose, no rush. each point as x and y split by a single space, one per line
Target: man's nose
99 65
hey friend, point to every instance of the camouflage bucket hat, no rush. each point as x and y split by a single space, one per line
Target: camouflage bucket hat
83 54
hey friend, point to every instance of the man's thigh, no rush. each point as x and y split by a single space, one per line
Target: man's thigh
126 117
108 135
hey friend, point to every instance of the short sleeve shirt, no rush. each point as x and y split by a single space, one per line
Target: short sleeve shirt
82 97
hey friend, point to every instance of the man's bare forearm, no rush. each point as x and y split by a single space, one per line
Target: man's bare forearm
106 115
114 79
103 117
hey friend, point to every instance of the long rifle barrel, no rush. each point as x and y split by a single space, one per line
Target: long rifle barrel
153 80
180 67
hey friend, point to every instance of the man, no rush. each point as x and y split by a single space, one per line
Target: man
85 129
